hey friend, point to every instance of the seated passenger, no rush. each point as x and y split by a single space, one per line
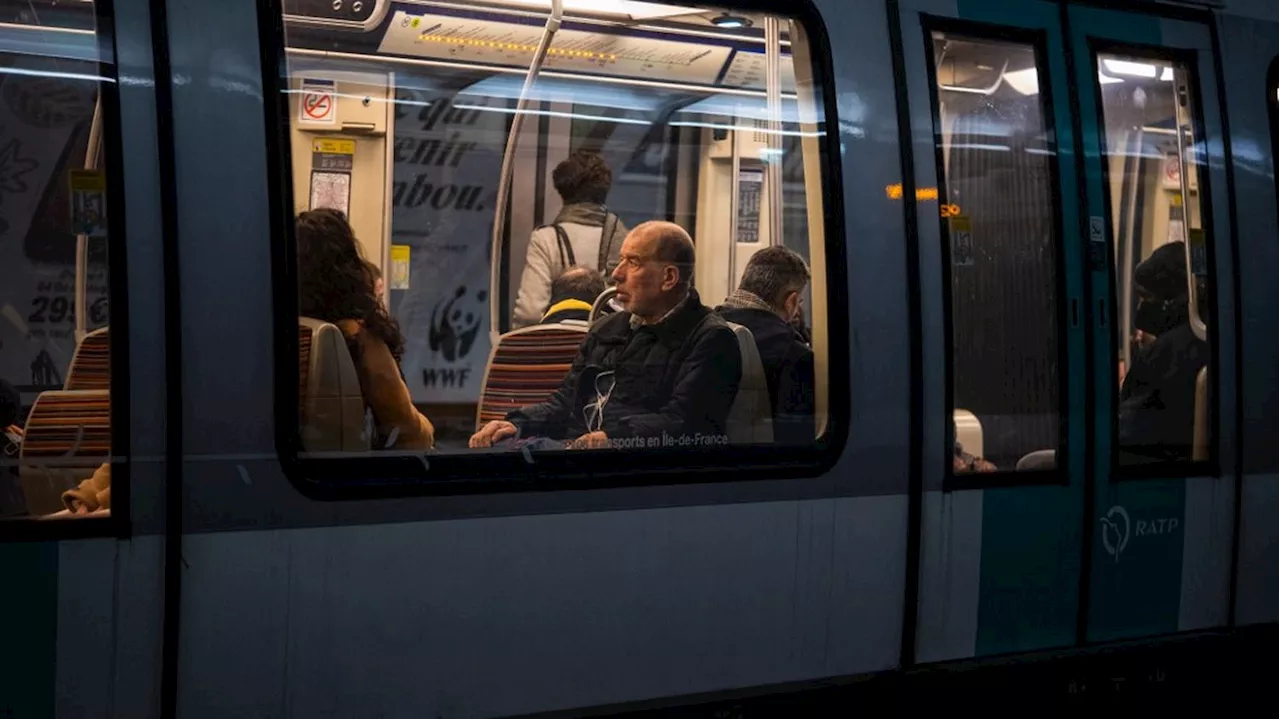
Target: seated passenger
379 286
664 370
93 493
335 285
1157 401
962 462
766 302
11 435
572 294
584 233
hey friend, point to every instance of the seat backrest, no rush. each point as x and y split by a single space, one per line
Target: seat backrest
91 364
751 415
1200 433
525 367
331 407
67 437
968 432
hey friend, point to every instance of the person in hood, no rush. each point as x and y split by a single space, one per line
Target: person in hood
663 372
1157 400
584 233
767 302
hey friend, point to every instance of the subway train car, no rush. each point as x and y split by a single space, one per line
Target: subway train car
1042 314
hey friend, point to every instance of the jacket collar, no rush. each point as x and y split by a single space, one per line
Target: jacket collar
672 330
744 300
582 213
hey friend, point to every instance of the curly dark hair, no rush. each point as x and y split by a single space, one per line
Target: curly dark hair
334 280
582 177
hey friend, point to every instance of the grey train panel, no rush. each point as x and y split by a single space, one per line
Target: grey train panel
1248 47
503 615
470 605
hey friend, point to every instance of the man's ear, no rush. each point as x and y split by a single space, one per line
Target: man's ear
670 278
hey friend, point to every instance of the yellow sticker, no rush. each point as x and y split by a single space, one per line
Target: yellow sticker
399 267
333 146
88 180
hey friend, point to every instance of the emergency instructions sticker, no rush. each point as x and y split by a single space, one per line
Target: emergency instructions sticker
332 160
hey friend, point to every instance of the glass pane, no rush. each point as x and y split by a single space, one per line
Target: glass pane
998 210
55 410
1155 184
404 135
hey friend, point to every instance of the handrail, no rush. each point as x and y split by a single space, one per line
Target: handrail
1198 326
82 240
508 157
773 101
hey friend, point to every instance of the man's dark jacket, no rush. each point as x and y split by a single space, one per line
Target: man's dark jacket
677 377
788 368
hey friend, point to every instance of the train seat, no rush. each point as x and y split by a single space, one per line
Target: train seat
331 405
969 432
68 436
750 418
91 364
525 367
1200 433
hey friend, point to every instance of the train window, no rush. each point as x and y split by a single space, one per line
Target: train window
57 119
995 154
517 239
1154 162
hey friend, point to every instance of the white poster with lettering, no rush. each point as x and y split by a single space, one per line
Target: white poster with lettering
446 163
44 125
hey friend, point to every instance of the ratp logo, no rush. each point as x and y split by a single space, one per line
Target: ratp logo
1115 531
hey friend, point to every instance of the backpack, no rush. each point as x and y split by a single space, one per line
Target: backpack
567 258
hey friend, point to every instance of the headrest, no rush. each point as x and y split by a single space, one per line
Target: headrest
331 404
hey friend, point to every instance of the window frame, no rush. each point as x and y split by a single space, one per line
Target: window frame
1038 40
489 472
117 523
1211 467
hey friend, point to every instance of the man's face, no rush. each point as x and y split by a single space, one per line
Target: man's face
642 281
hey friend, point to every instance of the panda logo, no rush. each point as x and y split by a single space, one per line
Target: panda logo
455 323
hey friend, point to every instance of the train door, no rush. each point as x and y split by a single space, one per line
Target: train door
1161 321
1004 334
82 418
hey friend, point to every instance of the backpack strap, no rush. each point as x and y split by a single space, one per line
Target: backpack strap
566 250
607 229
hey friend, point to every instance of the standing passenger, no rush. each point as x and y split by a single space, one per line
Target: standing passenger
766 302
584 233
335 284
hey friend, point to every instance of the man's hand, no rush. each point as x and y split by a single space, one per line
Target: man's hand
590 440
495 431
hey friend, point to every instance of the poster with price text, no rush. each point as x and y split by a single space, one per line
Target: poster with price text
45 115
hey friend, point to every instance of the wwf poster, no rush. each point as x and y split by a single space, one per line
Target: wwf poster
447 157
44 128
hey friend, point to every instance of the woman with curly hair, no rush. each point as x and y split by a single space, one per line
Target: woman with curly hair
336 284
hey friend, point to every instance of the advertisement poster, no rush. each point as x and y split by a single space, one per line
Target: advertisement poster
447 159
44 128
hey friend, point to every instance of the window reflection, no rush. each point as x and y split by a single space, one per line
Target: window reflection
1154 171
995 154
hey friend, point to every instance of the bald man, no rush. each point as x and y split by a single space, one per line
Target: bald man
662 373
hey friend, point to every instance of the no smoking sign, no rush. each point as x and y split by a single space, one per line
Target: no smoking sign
317 102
